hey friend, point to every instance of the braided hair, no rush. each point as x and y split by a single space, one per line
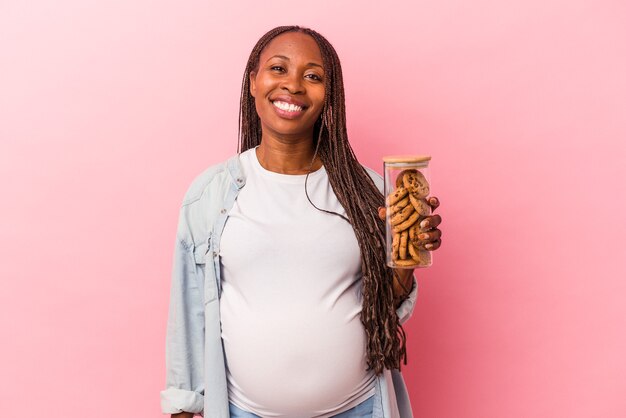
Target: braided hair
386 339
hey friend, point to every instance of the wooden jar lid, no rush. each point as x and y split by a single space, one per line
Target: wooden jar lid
406 158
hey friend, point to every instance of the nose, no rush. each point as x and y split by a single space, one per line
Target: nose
293 83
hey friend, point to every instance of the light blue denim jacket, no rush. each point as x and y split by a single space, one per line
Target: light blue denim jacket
195 367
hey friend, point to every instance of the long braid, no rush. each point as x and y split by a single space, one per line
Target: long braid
355 190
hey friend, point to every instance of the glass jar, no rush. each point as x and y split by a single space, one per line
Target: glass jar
407 188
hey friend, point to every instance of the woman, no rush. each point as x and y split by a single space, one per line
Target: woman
281 302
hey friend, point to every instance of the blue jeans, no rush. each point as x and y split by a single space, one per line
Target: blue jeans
362 410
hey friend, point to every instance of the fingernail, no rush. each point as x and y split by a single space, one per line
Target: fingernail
422 236
424 223
429 246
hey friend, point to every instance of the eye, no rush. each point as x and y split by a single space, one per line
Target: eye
277 68
314 77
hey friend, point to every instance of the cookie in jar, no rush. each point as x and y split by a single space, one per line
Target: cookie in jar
407 188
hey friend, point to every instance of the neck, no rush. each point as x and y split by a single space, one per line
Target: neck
287 156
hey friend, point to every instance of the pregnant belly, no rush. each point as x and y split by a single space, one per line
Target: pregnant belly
301 363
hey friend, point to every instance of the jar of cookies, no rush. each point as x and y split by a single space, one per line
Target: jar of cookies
407 186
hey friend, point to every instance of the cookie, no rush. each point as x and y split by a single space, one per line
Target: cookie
402 216
413 231
404 225
401 204
413 252
400 175
395 246
416 183
421 257
404 238
421 205
397 195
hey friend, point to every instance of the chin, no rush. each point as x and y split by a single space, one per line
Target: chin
290 129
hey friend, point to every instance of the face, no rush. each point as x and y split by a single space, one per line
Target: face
288 85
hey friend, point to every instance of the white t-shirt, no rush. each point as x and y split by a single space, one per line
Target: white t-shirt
291 299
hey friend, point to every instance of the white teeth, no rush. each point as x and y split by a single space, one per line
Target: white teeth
287 106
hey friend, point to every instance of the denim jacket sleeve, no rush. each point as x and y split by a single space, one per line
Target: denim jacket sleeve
185 329
405 310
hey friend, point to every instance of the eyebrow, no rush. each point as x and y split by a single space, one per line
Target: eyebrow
310 64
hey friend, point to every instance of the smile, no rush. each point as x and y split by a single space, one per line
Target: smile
287 107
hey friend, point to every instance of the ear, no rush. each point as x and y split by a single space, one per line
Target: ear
253 83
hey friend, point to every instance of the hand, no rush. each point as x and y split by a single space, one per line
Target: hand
430 238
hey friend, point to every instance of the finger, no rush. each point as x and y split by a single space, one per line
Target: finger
433 202
420 245
382 212
430 222
433 245
429 236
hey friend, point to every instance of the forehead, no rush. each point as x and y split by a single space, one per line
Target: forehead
293 45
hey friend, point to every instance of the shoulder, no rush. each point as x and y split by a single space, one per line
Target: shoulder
212 176
204 199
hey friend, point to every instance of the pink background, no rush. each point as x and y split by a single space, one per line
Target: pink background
110 108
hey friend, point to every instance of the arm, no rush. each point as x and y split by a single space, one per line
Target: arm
407 305
432 241
184 348
402 284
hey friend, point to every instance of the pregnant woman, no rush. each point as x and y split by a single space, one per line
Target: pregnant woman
281 301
